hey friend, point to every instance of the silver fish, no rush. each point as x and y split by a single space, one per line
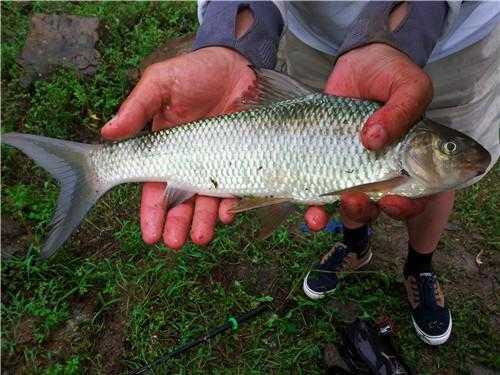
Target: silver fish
295 146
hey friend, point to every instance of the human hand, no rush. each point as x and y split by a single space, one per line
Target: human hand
379 72
203 83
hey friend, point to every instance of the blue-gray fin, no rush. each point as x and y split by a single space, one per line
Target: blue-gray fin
383 186
273 87
174 196
67 162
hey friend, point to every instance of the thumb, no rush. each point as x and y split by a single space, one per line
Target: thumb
142 104
407 103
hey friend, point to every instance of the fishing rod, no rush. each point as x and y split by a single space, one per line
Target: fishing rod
232 323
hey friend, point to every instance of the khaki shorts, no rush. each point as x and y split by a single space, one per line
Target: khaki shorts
466 85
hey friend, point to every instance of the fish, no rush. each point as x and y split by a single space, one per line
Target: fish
290 145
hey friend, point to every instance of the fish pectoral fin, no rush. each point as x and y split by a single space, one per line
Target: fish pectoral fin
271 217
250 203
276 87
373 187
174 196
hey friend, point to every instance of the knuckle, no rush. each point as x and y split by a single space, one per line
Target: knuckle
358 207
354 199
404 114
152 70
425 81
179 221
206 216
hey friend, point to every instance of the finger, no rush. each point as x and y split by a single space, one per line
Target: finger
401 208
177 224
316 218
406 104
206 210
358 207
226 216
145 100
152 211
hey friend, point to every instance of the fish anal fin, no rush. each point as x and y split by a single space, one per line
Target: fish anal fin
174 196
373 187
271 217
251 203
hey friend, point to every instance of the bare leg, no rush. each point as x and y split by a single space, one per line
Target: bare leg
426 229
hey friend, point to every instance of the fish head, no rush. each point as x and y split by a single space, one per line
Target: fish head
442 158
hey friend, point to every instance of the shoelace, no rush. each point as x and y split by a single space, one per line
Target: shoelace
426 289
334 257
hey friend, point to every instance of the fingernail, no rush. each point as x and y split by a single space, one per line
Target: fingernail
375 137
392 210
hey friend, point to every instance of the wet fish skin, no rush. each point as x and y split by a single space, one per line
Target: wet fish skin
298 149
304 150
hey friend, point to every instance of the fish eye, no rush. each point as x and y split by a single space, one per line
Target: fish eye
449 147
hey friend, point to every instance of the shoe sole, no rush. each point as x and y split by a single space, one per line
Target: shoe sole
433 340
318 295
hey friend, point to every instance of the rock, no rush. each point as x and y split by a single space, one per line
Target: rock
59 41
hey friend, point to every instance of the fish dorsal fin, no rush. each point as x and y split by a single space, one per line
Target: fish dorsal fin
275 87
383 186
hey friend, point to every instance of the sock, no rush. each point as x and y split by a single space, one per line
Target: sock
356 239
417 262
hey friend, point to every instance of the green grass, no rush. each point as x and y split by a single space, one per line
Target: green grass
108 302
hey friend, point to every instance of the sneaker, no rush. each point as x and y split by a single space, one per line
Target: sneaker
431 318
323 278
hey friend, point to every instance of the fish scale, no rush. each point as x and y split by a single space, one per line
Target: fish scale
297 149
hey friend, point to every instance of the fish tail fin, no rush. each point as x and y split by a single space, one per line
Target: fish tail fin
68 163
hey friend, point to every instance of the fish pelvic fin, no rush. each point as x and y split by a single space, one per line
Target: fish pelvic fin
373 187
68 163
